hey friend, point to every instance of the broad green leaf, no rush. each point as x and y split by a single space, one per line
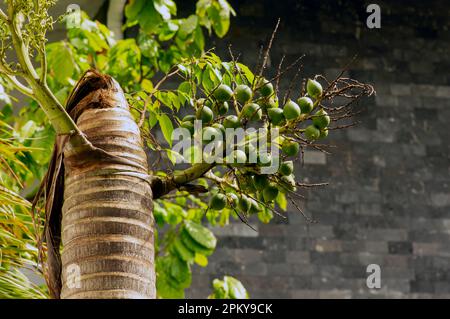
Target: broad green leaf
245 71
235 288
133 8
60 61
201 260
148 45
201 234
147 85
281 201
183 252
43 140
166 127
168 30
149 18
187 26
165 8
180 271
193 244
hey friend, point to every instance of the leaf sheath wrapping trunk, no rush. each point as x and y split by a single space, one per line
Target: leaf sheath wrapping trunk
107 221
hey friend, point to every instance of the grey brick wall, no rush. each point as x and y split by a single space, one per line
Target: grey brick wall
389 196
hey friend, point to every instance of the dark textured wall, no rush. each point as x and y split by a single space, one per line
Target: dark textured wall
389 196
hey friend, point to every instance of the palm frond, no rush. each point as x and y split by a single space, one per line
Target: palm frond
18 231
14 284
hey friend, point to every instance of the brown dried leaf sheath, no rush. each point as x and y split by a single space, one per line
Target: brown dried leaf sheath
103 194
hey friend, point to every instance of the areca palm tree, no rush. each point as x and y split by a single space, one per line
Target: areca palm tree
103 189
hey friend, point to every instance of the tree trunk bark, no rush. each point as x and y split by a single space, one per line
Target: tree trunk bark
107 222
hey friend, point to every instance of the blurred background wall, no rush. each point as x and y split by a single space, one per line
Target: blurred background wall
388 201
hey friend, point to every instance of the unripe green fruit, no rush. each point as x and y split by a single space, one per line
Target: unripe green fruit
222 108
244 203
205 114
223 93
252 111
312 133
208 103
210 134
255 208
237 158
218 202
189 126
286 168
243 93
276 116
261 181
267 89
260 196
289 182
314 88
321 119
248 184
200 102
231 121
265 159
189 118
270 192
269 103
323 133
291 110
193 154
220 127
290 148
233 198
306 104
210 154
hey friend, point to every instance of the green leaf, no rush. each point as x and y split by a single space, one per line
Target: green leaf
201 260
147 85
148 45
168 30
133 8
246 72
43 140
187 26
281 201
201 234
193 245
149 18
61 64
235 288
123 57
166 286
220 21
185 253
165 8
166 127
152 118
180 271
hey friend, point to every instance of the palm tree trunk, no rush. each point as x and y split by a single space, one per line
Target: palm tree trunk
107 222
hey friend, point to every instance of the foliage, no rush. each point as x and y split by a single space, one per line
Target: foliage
164 39
26 147
18 242
228 288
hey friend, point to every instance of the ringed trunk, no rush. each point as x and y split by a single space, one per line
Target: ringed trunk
107 222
